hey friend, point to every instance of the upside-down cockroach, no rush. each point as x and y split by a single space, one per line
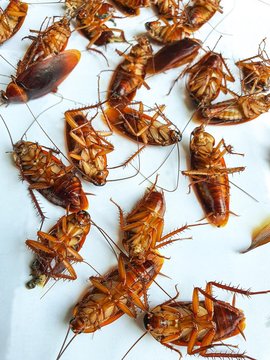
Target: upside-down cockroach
91 20
56 250
167 33
131 7
129 75
196 15
138 126
113 295
173 55
41 77
235 111
209 175
49 176
87 147
201 326
11 19
255 72
207 78
53 40
166 8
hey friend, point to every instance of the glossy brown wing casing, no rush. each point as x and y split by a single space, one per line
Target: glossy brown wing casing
42 77
131 7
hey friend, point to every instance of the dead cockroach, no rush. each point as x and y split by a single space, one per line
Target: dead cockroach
56 250
200 325
173 55
255 72
53 40
72 6
11 19
49 176
235 111
138 126
131 7
129 75
41 77
200 12
167 33
209 175
166 8
91 20
87 147
112 295
208 78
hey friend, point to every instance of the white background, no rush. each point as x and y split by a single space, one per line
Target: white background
34 328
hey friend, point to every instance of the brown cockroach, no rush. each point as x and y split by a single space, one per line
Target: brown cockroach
41 77
131 7
87 148
49 176
208 77
129 75
166 8
255 72
167 33
200 325
113 295
138 126
53 40
57 249
196 15
237 110
72 6
173 55
209 175
11 19
91 20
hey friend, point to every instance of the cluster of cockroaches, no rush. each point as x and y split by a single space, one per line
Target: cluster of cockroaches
201 326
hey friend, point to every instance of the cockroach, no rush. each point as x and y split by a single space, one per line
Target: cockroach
51 41
200 325
129 75
255 72
72 6
196 15
91 20
87 148
113 295
41 77
208 77
138 126
49 176
166 8
131 7
11 19
167 33
56 250
209 175
173 55
237 110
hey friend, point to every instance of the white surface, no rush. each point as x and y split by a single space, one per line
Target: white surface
33 328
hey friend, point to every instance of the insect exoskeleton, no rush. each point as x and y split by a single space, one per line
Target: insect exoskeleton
50 41
41 77
201 326
87 147
91 20
209 175
138 126
131 7
208 77
11 19
174 55
49 176
255 71
166 8
129 75
58 249
235 111
200 12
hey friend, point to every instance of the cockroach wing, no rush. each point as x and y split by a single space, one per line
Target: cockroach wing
43 76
